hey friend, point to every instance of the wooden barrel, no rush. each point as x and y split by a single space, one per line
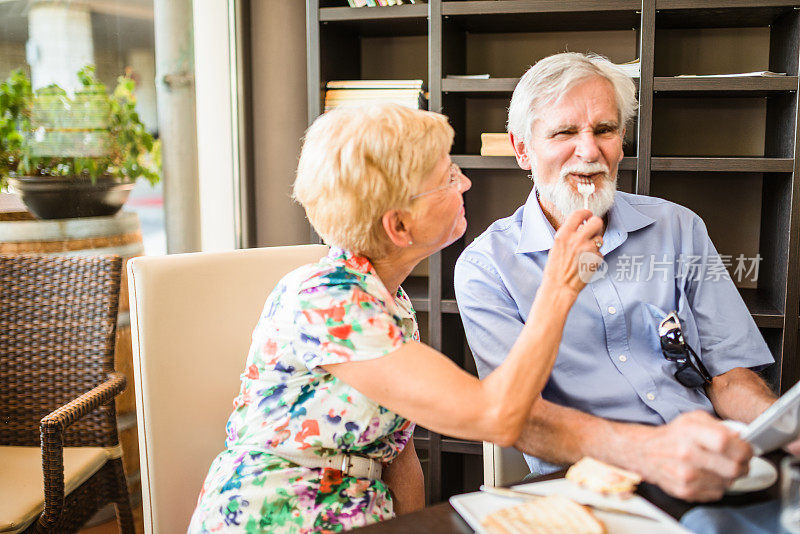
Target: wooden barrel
120 234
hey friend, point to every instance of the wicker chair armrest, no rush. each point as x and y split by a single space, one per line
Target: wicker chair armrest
67 414
52 428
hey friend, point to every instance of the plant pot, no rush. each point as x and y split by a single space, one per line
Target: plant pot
49 197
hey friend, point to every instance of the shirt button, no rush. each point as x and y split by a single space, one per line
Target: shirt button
650 396
612 310
623 358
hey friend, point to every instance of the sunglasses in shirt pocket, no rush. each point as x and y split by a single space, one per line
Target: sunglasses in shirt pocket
653 315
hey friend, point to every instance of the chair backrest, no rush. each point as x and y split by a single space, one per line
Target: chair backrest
58 317
503 465
192 316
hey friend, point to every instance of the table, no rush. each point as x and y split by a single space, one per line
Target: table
442 518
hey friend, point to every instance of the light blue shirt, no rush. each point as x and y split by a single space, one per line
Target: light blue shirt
609 363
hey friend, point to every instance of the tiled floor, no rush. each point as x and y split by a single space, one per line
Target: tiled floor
111 526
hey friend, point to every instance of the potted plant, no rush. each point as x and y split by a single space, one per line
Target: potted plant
73 155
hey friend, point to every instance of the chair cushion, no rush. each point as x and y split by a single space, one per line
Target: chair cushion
22 486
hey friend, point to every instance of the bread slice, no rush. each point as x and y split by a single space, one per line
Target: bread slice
603 478
553 514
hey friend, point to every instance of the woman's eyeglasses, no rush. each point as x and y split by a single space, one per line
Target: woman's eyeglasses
452 182
691 371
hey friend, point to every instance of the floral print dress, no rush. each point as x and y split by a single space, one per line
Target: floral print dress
334 311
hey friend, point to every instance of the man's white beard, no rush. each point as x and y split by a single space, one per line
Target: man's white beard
566 200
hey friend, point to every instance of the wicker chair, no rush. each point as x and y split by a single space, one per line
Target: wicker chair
57 386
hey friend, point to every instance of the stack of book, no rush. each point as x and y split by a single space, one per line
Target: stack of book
378 3
363 92
496 144
631 68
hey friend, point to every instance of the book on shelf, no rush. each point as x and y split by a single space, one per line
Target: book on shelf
363 92
467 76
375 84
496 144
758 73
379 3
631 68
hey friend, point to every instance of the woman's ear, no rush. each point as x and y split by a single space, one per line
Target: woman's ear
396 227
520 152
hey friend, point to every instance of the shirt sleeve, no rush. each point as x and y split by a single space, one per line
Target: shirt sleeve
728 335
344 323
491 319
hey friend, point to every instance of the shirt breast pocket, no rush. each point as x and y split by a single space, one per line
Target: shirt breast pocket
653 315
690 332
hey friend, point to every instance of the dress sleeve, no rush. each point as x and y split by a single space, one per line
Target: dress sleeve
344 323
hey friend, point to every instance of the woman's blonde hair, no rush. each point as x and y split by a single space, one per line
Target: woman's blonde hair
359 163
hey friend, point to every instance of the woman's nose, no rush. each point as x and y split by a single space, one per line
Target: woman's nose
466 183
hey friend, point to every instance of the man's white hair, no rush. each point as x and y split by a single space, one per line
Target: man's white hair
552 77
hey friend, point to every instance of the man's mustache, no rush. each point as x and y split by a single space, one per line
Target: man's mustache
588 168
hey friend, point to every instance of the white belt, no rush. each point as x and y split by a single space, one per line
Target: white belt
350 464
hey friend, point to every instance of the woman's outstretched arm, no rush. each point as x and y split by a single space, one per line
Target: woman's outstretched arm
426 387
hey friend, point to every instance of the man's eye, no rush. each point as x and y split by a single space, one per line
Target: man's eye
562 133
606 130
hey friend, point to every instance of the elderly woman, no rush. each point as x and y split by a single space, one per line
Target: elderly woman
320 438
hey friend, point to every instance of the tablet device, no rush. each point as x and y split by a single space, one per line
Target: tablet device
777 426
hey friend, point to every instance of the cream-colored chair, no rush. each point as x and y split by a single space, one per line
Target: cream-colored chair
503 465
192 316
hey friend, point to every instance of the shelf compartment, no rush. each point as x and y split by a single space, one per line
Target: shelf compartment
462 446
745 86
719 14
422 441
424 305
409 11
730 164
490 7
491 86
543 15
377 21
765 314
417 289
466 161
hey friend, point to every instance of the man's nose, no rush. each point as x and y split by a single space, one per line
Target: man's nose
587 148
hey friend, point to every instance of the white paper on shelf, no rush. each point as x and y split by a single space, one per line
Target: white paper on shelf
762 73
468 76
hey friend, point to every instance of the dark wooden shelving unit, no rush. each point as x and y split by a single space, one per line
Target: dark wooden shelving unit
737 87
456 32
715 164
468 161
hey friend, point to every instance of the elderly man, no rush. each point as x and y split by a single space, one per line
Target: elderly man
612 394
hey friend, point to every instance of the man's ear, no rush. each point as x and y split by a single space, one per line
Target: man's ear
622 152
396 228
520 152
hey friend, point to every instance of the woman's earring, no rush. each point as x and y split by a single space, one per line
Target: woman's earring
410 242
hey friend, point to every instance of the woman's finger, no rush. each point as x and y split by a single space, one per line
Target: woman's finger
592 229
575 219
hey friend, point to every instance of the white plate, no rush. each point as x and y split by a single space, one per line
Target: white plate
474 507
762 475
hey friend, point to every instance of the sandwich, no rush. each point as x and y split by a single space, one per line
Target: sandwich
553 514
603 478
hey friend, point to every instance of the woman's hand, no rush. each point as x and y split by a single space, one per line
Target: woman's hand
568 264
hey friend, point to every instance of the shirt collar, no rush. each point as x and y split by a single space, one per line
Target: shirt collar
537 233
